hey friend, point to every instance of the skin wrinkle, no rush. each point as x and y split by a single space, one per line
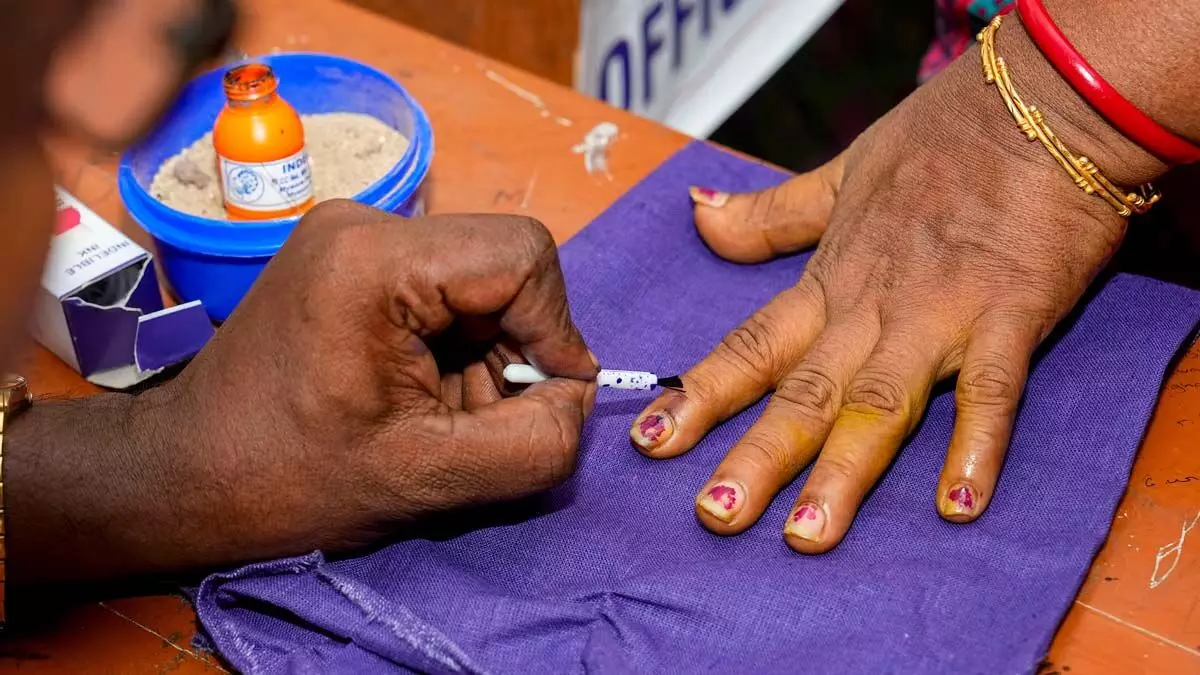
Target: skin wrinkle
810 391
751 345
989 383
771 453
1140 54
879 393
523 291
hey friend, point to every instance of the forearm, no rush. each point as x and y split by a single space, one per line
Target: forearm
92 492
120 486
1148 49
1145 49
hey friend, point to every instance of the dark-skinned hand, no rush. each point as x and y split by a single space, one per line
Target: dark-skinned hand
350 393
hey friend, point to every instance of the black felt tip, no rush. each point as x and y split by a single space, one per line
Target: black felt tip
672 382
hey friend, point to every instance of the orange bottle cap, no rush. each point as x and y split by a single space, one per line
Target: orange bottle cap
250 82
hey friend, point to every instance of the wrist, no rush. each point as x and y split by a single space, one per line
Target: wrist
1145 50
90 491
1073 119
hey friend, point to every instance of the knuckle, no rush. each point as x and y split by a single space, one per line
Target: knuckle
879 392
564 467
536 234
810 391
763 450
553 442
705 387
330 208
990 382
343 248
821 274
328 214
766 207
753 348
339 240
538 250
1028 320
838 469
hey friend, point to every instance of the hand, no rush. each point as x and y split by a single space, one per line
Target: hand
948 245
350 392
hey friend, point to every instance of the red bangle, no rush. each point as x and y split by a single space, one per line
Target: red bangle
1135 124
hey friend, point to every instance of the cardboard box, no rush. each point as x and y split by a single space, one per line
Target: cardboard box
100 308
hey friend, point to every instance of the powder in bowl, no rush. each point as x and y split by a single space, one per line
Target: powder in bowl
347 152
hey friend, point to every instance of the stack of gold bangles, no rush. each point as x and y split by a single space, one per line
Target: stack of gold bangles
1033 125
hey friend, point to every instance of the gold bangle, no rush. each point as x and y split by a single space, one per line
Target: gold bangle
1032 123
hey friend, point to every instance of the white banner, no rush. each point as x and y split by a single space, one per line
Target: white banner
689 63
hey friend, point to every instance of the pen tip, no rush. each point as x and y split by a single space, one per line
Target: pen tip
672 382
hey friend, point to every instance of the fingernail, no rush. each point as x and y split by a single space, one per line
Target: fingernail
722 501
595 361
960 500
708 196
652 430
806 522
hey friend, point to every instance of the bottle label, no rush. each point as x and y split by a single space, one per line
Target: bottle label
267 186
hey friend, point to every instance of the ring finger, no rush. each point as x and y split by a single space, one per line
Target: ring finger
882 405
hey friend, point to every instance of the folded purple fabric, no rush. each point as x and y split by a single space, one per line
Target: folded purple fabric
611 573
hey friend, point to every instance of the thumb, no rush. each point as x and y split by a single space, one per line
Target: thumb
757 226
524 444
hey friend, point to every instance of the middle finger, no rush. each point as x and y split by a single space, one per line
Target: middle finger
478 387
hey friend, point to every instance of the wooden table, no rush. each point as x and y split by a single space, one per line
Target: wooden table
497 152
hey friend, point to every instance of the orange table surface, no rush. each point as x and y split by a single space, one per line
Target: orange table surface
1138 610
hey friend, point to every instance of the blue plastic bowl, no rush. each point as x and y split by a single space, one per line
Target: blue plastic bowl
216 261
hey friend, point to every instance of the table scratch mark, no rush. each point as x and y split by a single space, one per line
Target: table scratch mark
162 637
1148 633
529 191
1174 551
516 89
526 95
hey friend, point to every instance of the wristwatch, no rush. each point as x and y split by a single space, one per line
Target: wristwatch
14 399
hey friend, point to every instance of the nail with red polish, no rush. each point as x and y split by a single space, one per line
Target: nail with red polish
652 429
960 500
806 522
722 501
708 196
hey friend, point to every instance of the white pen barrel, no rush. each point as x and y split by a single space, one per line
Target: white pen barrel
521 373
627 379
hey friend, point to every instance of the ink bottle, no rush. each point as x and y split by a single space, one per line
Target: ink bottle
259 140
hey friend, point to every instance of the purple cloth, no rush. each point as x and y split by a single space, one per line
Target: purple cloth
611 573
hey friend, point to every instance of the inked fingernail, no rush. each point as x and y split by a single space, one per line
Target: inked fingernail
806 522
652 430
960 500
708 196
722 501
